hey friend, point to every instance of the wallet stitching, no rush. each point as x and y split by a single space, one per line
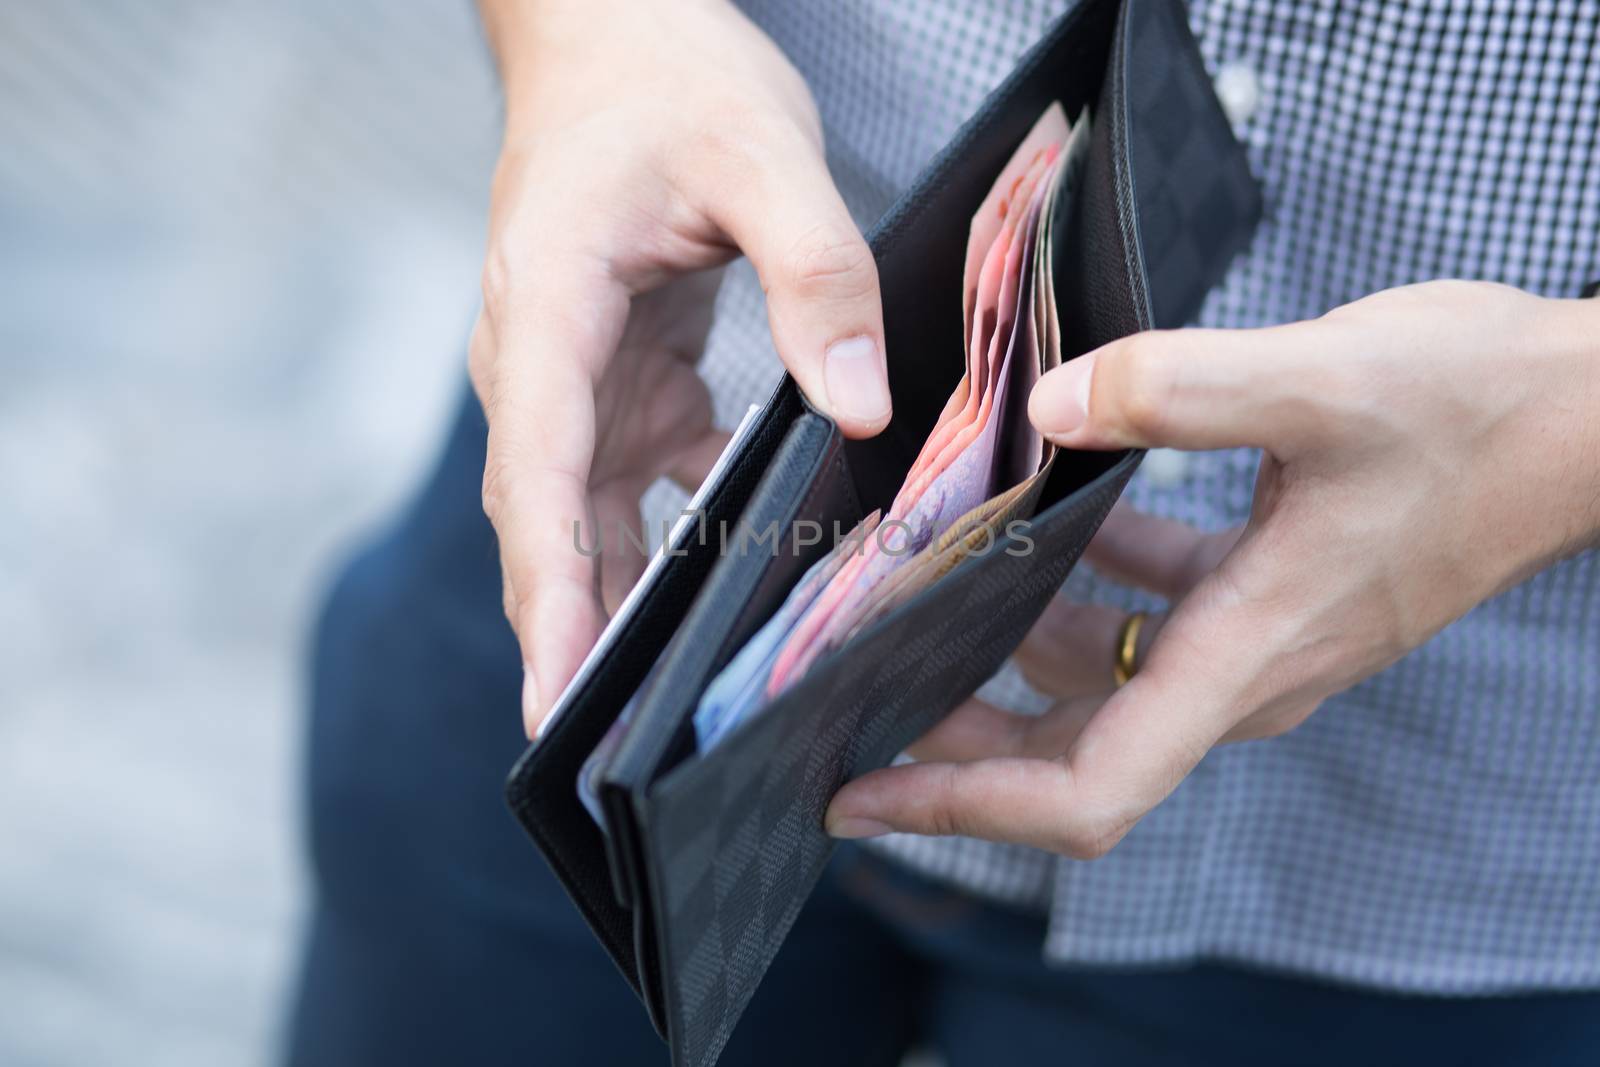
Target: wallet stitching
1121 161
843 474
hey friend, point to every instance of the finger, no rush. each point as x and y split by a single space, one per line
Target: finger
538 391
980 730
691 466
1164 556
1070 650
1208 668
820 278
1193 389
626 543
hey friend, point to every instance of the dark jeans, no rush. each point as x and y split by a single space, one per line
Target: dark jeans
440 937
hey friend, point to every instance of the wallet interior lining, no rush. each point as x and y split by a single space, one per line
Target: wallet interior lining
920 265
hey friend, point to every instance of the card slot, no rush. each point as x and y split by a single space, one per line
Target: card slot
807 481
541 788
832 508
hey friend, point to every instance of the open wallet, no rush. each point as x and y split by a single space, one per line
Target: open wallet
693 862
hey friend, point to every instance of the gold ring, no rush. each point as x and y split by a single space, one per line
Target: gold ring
1127 662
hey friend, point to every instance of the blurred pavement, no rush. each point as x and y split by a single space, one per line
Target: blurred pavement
238 260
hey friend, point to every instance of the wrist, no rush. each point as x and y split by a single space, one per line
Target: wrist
1584 343
1568 338
532 40
527 37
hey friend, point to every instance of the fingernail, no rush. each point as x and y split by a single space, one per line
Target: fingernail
852 827
1060 402
857 384
532 723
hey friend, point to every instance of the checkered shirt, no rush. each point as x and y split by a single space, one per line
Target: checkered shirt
1436 828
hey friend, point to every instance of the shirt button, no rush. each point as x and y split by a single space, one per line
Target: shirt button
1164 468
1239 90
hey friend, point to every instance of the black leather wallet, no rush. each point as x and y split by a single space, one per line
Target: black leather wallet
708 858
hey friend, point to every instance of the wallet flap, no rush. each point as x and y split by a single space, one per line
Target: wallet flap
1196 203
804 482
542 787
758 557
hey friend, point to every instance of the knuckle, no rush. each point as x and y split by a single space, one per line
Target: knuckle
1295 717
509 602
1090 824
1091 838
1035 670
733 146
500 271
943 822
1335 397
480 361
496 493
944 817
763 131
831 261
1142 384
525 245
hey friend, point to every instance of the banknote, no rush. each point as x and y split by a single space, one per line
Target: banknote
982 465
933 498
739 685
713 717
970 479
977 532
959 475
1032 457
1050 129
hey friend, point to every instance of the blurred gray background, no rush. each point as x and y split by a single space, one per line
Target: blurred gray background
239 251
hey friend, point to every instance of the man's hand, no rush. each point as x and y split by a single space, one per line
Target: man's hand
1424 449
647 143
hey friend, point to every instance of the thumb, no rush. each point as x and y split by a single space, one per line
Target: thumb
1204 671
1190 389
821 283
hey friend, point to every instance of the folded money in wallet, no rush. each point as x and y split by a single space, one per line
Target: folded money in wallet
1097 192
981 467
